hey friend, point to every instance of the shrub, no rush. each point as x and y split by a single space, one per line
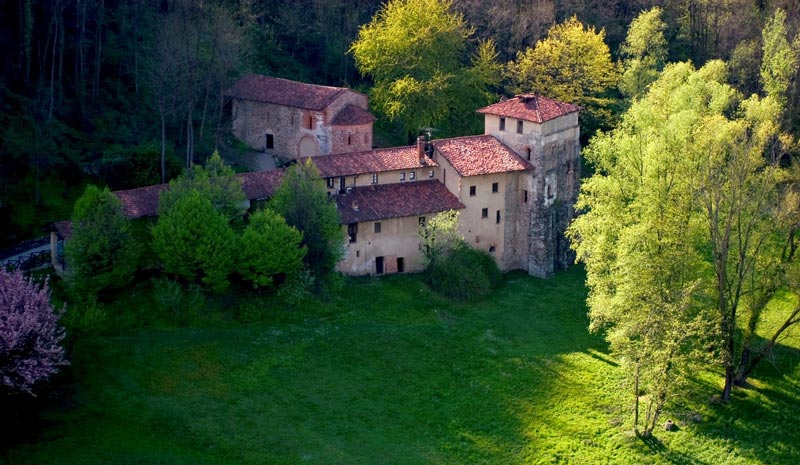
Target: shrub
464 273
173 301
30 336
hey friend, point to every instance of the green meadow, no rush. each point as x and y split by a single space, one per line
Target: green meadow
388 372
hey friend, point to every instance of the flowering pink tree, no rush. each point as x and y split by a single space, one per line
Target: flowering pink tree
30 337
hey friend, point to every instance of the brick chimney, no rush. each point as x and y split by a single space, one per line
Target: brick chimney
421 149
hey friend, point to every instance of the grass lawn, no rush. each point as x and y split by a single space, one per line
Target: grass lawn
390 373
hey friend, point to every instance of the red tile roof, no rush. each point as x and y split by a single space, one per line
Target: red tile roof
530 107
371 161
142 201
385 201
63 228
260 185
352 115
284 92
477 155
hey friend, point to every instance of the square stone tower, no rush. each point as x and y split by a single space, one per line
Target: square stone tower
544 132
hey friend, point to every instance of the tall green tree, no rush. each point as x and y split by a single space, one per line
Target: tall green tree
302 200
644 52
685 224
195 242
215 181
572 64
416 53
102 253
269 250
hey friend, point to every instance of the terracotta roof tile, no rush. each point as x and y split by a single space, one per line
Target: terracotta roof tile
63 228
371 161
142 201
530 107
284 92
260 185
385 201
352 115
477 155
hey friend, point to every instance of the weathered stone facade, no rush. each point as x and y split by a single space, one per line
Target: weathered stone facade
516 185
292 120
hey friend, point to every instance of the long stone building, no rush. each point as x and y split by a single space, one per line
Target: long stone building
515 185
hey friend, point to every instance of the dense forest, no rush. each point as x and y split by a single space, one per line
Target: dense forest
96 90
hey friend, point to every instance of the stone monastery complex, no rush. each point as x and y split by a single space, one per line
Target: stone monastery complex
514 186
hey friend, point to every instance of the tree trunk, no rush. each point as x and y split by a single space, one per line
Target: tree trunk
98 50
636 399
163 141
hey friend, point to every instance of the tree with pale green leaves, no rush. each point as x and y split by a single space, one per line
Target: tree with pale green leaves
102 253
644 53
684 232
269 250
572 64
416 53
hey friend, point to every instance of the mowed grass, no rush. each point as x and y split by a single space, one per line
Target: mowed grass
390 373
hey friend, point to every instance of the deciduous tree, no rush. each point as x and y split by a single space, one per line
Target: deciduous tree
572 64
269 250
101 253
195 242
644 53
215 181
30 336
415 51
302 200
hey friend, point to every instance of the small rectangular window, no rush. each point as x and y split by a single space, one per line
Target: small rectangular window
401 265
495 187
485 213
374 178
402 176
422 221
330 183
310 122
502 124
497 217
270 141
412 175
377 227
519 126
524 196
352 232
472 190
430 173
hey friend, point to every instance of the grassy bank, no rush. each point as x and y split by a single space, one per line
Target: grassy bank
390 373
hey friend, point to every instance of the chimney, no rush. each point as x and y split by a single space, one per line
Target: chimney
421 149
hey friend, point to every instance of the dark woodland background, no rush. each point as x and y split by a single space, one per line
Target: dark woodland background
90 88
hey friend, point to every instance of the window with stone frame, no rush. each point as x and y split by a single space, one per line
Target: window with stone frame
502 124
485 213
519 126
472 191
377 227
495 187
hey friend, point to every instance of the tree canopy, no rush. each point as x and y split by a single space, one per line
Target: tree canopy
195 242
30 336
102 252
572 64
302 200
269 249
682 222
416 53
644 52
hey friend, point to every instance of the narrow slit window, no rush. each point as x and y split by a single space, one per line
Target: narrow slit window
519 126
